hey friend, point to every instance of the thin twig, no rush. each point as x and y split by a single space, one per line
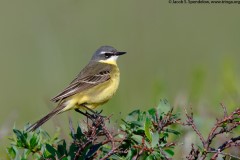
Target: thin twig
190 122
224 110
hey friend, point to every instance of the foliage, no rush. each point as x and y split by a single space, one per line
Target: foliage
142 135
26 144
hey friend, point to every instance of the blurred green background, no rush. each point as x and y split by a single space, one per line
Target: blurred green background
187 54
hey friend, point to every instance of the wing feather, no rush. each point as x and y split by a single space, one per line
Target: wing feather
92 75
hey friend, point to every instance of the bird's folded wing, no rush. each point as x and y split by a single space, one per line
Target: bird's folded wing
87 78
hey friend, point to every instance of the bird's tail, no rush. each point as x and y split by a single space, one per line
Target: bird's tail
37 124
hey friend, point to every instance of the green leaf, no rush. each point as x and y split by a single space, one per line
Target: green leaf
121 136
163 107
51 150
21 138
169 152
137 138
150 157
155 139
33 141
152 111
18 133
93 150
172 131
147 128
136 124
26 153
12 152
156 154
123 127
133 116
130 154
72 150
62 149
79 133
66 158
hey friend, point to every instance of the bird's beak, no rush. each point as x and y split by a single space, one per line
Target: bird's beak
120 53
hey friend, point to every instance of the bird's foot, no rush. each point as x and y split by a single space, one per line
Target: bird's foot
88 115
96 115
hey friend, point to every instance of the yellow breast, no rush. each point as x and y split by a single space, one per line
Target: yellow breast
101 93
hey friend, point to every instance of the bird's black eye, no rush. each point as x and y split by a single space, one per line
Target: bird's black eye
107 55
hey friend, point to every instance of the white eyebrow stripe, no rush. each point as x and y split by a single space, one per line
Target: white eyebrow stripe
103 52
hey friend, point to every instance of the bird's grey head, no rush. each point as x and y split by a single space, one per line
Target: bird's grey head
106 54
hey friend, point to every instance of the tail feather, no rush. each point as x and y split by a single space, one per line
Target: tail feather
40 122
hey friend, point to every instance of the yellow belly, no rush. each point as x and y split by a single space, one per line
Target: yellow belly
97 95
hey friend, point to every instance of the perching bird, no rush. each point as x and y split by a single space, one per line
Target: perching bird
93 86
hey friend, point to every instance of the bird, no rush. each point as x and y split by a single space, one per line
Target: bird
96 83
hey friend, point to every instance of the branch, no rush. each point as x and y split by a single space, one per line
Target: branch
225 125
190 122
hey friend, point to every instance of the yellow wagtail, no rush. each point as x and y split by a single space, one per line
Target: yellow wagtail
93 86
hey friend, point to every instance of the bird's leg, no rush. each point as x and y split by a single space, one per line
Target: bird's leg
84 105
95 114
85 114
